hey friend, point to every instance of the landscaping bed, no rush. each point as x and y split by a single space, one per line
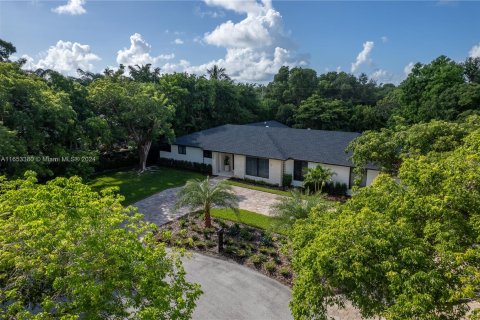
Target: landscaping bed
255 248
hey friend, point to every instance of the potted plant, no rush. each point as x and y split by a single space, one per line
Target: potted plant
226 162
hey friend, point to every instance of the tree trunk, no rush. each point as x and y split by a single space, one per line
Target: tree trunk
143 150
208 219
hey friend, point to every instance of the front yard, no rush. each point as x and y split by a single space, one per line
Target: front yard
134 186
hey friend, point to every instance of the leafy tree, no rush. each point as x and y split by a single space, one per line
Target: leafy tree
472 69
68 252
431 91
318 177
6 50
143 73
319 113
217 73
399 250
290 209
137 112
205 194
386 148
44 121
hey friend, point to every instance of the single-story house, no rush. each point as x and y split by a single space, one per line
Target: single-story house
265 151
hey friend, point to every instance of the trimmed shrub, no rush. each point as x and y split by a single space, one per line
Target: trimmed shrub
270 266
186 165
210 243
258 258
234 229
287 180
285 272
246 234
336 188
242 253
200 244
266 240
230 249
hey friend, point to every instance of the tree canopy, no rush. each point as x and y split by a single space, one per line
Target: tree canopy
403 249
68 252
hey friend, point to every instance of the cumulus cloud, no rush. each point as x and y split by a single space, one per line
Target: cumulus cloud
178 41
382 76
65 57
408 68
255 47
139 53
475 51
73 7
363 56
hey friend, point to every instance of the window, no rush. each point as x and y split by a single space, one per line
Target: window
207 154
182 150
257 167
166 147
299 169
351 183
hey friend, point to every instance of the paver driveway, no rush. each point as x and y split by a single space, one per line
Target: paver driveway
159 208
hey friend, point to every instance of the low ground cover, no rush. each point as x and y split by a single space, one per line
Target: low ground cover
256 248
134 186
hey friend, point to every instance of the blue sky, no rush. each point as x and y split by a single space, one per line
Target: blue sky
250 38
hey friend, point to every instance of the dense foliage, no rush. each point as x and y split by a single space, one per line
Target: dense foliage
46 114
401 249
67 252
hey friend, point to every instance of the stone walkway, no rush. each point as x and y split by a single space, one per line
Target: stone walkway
159 208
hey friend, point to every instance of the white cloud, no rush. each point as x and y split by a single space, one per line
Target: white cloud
363 56
255 47
382 76
178 41
139 53
475 51
384 39
73 7
408 68
65 57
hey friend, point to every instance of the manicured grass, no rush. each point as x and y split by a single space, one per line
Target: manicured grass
258 188
246 217
134 186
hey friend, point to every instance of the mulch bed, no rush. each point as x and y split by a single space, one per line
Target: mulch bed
257 249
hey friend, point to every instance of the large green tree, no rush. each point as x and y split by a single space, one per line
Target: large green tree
403 249
68 253
136 112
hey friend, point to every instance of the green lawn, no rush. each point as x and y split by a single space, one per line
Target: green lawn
134 186
246 217
258 188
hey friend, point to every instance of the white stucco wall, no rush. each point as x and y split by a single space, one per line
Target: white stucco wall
192 155
342 174
371 175
274 173
239 169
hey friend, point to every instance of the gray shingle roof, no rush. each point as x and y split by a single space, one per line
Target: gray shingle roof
268 123
276 143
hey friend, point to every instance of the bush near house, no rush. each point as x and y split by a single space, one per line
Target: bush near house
180 164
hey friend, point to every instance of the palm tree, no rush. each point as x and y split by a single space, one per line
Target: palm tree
318 177
205 194
218 73
144 73
295 207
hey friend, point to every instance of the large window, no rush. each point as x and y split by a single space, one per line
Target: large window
182 150
207 154
257 167
299 169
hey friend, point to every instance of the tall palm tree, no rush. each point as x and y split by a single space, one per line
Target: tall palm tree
205 194
318 177
144 73
218 73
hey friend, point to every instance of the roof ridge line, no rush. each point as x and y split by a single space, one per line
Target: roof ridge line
274 142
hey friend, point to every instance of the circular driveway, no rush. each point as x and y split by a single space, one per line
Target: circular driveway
235 292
